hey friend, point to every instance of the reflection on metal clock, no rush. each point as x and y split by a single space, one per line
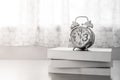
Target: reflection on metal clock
82 36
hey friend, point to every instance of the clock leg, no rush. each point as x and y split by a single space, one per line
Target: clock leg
74 48
80 49
84 49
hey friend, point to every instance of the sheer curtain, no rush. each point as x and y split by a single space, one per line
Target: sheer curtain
100 12
116 24
47 22
60 14
52 19
54 22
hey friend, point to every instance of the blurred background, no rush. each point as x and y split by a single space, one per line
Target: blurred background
47 22
29 27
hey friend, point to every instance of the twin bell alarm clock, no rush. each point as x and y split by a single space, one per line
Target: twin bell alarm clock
81 36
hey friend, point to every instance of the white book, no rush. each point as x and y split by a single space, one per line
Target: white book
77 77
83 71
94 54
77 64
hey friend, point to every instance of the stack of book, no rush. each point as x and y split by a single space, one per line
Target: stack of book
67 64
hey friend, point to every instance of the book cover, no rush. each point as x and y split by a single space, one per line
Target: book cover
77 77
94 54
83 71
77 64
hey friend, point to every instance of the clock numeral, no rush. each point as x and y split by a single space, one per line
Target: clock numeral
85 37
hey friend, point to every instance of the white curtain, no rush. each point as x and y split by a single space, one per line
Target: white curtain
54 23
47 22
60 14
116 24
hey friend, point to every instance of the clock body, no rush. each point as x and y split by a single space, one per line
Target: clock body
81 36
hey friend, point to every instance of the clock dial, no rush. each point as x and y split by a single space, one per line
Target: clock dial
80 36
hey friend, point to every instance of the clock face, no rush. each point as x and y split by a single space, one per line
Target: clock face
80 36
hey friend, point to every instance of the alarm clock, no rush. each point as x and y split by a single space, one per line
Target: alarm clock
81 36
